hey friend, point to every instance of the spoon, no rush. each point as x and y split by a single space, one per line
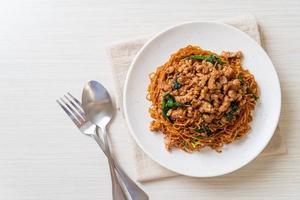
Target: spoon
100 114
99 108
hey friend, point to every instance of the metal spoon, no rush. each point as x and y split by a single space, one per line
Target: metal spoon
98 105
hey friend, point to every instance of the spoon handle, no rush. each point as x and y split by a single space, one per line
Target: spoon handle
117 191
135 192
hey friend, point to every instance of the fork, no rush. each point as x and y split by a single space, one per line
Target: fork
72 107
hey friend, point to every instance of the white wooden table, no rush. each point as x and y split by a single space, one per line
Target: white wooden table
49 47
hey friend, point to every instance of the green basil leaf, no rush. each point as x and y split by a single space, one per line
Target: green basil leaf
229 116
176 85
241 79
234 106
211 58
168 103
204 129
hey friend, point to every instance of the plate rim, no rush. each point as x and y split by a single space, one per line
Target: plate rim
125 89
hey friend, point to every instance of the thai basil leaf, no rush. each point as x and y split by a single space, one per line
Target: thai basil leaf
211 58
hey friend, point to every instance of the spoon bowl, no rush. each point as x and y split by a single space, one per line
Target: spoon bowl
97 103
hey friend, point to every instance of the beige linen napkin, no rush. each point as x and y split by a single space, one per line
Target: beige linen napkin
121 55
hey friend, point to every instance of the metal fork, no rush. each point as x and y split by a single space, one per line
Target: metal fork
73 109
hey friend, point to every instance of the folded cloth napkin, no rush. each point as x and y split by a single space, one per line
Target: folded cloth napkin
122 54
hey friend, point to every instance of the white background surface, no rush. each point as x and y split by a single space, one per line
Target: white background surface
49 47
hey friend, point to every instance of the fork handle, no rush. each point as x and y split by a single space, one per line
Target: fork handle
117 191
135 192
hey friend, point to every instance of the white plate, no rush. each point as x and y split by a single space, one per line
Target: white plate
215 37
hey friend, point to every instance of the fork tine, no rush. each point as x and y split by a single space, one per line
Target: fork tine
78 102
77 115
77 107
76 122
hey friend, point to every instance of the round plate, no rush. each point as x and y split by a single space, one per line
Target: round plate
215 37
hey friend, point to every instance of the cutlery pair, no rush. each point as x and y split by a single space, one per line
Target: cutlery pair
92 117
